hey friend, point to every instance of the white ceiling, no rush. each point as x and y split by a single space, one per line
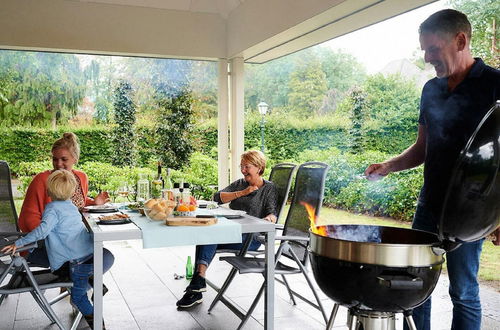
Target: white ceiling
221 7
255 30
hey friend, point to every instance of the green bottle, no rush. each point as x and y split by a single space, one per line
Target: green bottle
189 269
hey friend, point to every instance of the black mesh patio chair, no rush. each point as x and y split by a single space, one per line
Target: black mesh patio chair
292 254
281 175
17 275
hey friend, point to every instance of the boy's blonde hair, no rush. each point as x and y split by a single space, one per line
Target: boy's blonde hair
61 185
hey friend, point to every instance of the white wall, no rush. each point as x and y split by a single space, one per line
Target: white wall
101 28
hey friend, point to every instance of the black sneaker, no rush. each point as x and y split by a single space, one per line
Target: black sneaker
190 299
198 284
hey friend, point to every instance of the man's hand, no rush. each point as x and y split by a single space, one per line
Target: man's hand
496 236
9 249
377 171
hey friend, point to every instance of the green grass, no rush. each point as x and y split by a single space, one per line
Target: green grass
489 271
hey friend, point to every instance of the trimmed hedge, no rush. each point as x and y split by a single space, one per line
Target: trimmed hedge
29 144
34 144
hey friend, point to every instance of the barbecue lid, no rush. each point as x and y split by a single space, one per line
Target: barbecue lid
471 208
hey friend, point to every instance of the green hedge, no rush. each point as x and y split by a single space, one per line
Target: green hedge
394 196
33 144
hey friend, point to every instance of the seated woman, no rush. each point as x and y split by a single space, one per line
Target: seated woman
65 154
252 194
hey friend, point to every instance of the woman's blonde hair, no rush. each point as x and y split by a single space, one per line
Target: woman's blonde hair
256 158
70 142
61 185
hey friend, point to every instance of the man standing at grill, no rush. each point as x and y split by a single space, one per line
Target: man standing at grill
451 107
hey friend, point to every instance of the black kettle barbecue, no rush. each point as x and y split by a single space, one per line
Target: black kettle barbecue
378 271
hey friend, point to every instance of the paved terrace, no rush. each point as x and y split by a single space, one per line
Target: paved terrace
143 293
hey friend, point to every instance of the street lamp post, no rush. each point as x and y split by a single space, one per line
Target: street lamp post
262 110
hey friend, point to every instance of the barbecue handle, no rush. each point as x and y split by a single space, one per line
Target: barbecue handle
401 282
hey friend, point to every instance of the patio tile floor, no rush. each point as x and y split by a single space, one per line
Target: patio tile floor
143 293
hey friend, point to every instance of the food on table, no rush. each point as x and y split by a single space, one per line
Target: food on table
116 216
136 206
158 208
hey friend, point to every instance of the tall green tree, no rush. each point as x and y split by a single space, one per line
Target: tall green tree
173 143
308 86
44 88
484 16
101 75
124 136
357 99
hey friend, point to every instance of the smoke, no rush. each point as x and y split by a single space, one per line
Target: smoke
355 233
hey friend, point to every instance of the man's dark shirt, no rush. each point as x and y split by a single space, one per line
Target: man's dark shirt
450 118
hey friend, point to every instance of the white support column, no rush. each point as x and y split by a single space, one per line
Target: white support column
237 115
223 125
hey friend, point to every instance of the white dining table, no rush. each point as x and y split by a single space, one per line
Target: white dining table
103 233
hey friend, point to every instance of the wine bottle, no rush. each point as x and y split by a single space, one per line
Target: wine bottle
157 183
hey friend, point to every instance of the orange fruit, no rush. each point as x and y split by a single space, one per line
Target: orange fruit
192 208
182 208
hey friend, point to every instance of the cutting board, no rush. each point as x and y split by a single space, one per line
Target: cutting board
190 221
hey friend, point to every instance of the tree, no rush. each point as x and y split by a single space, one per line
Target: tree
100 75
124 137
357 99
42 88
308 86
174 127
392 104
484 16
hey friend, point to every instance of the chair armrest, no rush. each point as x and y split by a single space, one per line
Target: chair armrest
20 249
279 226
292 238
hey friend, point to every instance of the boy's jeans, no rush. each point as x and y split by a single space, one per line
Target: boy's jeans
463 265
80 274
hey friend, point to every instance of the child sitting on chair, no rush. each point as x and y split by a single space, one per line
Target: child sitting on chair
67 240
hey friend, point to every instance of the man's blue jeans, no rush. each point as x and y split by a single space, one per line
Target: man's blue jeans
206 253
463 265
80 274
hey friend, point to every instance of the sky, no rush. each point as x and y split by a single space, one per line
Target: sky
381 43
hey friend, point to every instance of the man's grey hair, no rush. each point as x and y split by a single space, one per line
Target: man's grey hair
447 22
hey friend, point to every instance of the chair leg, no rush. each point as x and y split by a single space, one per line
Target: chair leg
252 307
40 303
290 293
309 282
223 289
44 302
231 275
12 280
333 315
76 321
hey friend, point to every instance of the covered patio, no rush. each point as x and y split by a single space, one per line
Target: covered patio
143 293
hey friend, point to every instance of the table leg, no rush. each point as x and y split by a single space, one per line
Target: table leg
269 278
98 304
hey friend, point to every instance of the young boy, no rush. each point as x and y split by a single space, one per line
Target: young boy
66 240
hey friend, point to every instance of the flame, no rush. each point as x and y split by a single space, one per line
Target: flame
315 228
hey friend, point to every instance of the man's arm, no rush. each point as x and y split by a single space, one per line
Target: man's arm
411 157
